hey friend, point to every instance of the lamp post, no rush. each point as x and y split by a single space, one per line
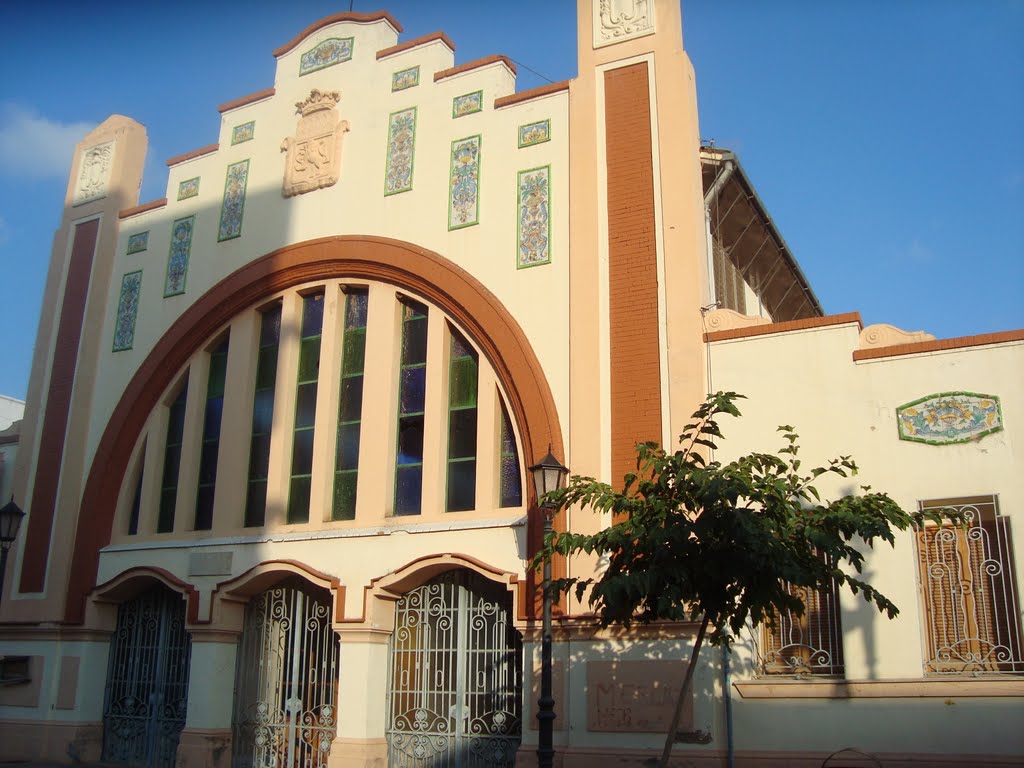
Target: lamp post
548 475
10 521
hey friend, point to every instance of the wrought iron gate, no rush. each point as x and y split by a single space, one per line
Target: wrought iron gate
147 681
455 676
285 701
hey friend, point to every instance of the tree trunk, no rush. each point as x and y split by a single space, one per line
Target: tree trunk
670 739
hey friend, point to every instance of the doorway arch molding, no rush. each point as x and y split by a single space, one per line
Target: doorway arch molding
105 598
464 298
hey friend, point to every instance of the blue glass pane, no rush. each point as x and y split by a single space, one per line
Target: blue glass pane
211 425
461 486
256 503
176 421
511 482
312 315
165 522
351 399
408 490
204 508
355 308
410 440
302 452
270 327
259 457
508 438
298 500
348 447
460 347
172 457
462 434
305 405
263 412
208 463
414 390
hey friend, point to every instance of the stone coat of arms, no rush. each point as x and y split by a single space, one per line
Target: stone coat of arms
314 153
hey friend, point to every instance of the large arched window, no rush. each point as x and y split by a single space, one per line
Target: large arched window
336 403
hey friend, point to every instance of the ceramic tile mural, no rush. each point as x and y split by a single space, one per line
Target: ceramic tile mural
464 185
406 78
331 51
234 201
243 132
467 104
178 255
534 133
401 146
188 188
949 417
138 242
127 311
534 217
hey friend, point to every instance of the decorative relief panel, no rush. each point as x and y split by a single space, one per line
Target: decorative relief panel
127 311
885 335
314 153
618 20
464 186
138 242
234 201
188 188
327 53
949 417
94 175
177 257
405 78
467 104
534 217
534 133
401 146
728 319
243 132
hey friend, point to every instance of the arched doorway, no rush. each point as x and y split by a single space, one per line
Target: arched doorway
287 679
455 676
147 680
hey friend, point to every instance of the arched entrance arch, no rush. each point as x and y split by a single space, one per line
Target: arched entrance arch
443 283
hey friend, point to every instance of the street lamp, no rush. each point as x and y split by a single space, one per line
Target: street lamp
548 475
10 521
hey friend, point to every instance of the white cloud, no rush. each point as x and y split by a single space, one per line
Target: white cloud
35 146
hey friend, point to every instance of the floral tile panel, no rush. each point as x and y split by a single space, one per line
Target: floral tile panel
534 217
178 256
534 133
406 78
949 417
327 53
234 201
188 188
127 311
464 184
243 132
401 146
138 242
467 104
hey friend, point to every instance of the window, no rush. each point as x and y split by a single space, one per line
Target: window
462 413
262 417
211 436
172 460
968 590
305 407
350 405
133 515
412 395
811 644
510 476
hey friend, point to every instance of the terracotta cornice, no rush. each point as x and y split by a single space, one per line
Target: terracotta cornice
252 98
788 325
939 345
152 205
408 44
469 65
533 93
359 18
179 159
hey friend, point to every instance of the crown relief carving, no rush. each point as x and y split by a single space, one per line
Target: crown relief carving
313 159
617 20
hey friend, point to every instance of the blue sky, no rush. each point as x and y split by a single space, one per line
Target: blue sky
885 138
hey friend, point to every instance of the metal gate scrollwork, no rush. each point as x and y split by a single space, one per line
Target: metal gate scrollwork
285 702
455 690
147 681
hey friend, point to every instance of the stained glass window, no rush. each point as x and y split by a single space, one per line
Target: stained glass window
262 417
350 405
412 390
211 436
172 460
305 407
462 413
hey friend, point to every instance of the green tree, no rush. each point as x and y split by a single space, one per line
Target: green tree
701 540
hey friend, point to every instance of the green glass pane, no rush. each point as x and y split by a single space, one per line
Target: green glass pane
414 341
355 352
165 522
351 405
462 434
256 503
218 371
344 496
298 500
462 390
348 447
266 368
309 359
461 486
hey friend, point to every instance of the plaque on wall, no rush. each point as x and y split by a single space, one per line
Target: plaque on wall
635 696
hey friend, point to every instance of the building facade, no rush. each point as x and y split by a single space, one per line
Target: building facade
274 452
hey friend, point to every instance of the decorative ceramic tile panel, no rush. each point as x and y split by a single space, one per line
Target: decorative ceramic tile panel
464 185
234 201
405 78
534 217
534 133
243 132
127 311
177 257
138 242
188 188
401 146
949 417
327 53
467 104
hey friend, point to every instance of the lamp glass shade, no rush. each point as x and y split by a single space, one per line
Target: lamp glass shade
10 521
548 475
